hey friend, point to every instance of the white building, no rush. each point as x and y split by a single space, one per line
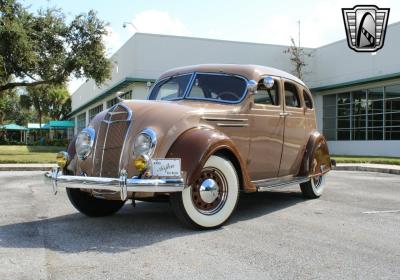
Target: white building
357 94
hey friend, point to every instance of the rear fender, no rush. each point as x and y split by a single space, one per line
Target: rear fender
316 160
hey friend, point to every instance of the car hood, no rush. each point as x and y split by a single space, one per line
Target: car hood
169 119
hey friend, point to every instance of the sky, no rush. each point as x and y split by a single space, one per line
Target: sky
261 21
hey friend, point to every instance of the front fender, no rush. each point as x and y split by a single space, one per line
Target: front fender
196 145
316 159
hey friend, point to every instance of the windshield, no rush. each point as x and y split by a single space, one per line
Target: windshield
170 88
217 87
206 86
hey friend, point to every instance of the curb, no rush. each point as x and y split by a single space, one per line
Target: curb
367 169
25 168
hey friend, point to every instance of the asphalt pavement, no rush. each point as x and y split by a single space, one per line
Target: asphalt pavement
351 232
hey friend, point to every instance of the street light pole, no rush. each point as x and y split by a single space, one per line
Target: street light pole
126 23
299 32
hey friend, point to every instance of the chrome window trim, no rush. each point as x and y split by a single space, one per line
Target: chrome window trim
171 77
215 100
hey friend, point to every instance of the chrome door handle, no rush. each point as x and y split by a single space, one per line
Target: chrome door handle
284 114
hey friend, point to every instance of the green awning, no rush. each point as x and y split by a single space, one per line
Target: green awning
12 126
59 124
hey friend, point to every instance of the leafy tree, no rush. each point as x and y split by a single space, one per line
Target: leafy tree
8 106
60 105
52 102
42 49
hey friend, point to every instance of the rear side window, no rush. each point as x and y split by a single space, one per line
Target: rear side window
307 99
215 87
267 96
291 95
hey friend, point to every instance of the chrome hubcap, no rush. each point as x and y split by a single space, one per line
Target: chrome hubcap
208 190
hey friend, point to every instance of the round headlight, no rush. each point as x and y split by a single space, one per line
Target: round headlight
145 143
84 142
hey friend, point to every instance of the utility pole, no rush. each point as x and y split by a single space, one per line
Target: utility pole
299 31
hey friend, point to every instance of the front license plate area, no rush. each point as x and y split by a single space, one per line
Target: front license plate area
170 167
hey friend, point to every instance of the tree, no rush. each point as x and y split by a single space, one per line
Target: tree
11 110
297 55
42 49
60 105
8 106
48 101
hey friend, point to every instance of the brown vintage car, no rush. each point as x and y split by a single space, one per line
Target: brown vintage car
206 133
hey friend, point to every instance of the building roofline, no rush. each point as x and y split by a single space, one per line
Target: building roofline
357 82
110 90
345 39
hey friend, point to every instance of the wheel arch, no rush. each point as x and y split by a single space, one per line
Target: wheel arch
316 160
196 145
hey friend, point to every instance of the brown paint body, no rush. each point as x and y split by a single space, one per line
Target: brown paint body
255 137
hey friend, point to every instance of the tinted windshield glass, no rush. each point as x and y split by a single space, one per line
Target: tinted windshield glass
170 88
218 87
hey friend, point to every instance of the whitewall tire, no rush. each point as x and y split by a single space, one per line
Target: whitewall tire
313 188
212 198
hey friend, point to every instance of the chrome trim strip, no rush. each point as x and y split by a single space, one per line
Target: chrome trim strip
128 120
232 124
268 184
223 119
123 184
103 148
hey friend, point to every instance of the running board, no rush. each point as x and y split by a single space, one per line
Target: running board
268 184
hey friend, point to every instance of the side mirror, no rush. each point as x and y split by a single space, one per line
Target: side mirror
268 82
252 86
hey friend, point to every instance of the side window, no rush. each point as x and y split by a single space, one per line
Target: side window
267 96
307 99
291 95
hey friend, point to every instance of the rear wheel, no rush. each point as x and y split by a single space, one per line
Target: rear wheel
314 187
91 206
210 201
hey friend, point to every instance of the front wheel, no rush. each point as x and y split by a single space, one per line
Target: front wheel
314 187
91 206
210 201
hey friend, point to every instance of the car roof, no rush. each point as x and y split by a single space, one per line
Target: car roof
249 71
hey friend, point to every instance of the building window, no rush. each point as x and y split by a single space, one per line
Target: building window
81 122
127 95
112 102
392 115
366 114
94 111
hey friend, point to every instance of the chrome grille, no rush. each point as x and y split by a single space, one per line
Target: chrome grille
110 141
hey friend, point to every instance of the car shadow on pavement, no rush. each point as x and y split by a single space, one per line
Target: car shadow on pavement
130 228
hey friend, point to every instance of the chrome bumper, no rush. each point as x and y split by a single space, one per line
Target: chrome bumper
123 184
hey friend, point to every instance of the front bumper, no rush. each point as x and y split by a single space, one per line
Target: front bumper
123 184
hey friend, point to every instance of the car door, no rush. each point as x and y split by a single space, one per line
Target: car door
266 132
295 129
